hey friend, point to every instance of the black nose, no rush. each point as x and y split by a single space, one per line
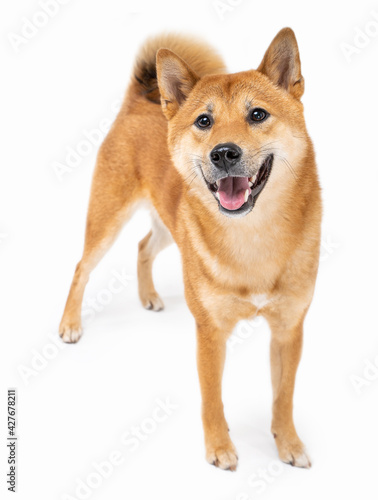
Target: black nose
225 155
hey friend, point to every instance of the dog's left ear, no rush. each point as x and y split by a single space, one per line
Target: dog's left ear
175 79
282 64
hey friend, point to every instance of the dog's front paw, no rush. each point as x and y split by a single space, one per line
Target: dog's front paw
70 333
152 302
223 456
292 451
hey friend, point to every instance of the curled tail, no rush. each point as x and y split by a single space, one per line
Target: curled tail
200 56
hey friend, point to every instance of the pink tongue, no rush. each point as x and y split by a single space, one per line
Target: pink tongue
232 192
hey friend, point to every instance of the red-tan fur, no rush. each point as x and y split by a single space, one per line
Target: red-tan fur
234 268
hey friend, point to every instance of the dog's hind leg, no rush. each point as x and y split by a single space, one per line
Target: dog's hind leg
113 197
156 240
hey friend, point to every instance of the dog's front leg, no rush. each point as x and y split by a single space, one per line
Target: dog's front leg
211 353
285 354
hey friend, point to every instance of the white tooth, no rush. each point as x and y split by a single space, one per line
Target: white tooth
250 184
246 194
217 195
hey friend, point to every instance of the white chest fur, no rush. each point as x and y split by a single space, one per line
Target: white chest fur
260 300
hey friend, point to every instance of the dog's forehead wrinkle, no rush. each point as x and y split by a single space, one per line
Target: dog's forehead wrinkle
248 104
228 96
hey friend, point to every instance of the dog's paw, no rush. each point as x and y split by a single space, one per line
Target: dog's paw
153 302
224 457
293 452
70 333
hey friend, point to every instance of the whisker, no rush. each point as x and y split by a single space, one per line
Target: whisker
193 173
287 163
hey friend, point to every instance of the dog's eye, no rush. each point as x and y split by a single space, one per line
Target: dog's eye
258 115
203 121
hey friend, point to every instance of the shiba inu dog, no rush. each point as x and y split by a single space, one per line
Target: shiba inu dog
228 169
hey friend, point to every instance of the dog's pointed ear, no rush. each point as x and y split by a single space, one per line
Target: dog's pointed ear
175 79
282 64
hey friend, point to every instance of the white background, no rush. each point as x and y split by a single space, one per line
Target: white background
74 408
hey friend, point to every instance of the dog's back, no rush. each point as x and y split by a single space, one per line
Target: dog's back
137 141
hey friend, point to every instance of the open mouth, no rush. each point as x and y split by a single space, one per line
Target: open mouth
237 195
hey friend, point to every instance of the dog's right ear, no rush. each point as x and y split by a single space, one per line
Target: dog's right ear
175 79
